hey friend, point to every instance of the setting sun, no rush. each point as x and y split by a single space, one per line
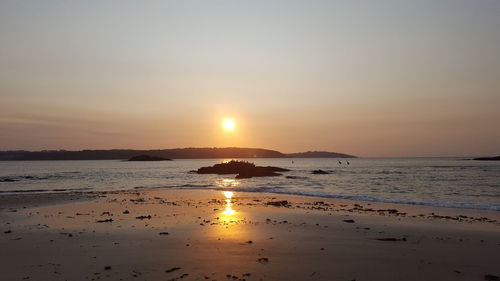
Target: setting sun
229 124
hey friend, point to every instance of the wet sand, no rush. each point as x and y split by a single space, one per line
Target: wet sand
209 235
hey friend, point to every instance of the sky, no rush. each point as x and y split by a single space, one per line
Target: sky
388 78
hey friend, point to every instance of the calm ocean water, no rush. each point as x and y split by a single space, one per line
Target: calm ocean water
447 182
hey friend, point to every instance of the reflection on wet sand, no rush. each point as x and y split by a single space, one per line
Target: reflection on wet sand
228 211
229 218
228 215
230 222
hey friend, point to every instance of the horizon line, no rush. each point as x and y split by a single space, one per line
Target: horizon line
238 147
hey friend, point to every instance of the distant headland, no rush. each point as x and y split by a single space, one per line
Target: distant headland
176 153
147 158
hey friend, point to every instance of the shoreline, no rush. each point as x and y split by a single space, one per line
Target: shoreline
42 198
195 234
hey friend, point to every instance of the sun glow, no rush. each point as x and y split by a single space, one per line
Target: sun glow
229 125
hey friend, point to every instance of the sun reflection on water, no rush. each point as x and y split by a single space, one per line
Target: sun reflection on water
227 183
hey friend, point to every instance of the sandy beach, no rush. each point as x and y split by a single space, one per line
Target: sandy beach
212 235
250 140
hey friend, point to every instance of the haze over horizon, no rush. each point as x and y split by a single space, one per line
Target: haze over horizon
368 78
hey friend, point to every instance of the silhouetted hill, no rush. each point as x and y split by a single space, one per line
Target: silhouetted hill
148 158
319 154
177 153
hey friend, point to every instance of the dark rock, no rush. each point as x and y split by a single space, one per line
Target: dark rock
349 221
495 158
143 217
7 180
148 158
106 220
321 203
391 239
172 269
263 260
320 172
283 203
257 172
297 177
164 233
242 169
107 267
490 277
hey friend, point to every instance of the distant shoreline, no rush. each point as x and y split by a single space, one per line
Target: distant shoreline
177 153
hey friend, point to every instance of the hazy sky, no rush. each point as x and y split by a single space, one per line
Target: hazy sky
370 78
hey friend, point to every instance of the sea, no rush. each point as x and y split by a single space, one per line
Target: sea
442 182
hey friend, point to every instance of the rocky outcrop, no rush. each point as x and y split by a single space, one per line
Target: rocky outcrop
242 169
495 158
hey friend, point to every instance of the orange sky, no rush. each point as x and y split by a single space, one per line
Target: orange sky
370 79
